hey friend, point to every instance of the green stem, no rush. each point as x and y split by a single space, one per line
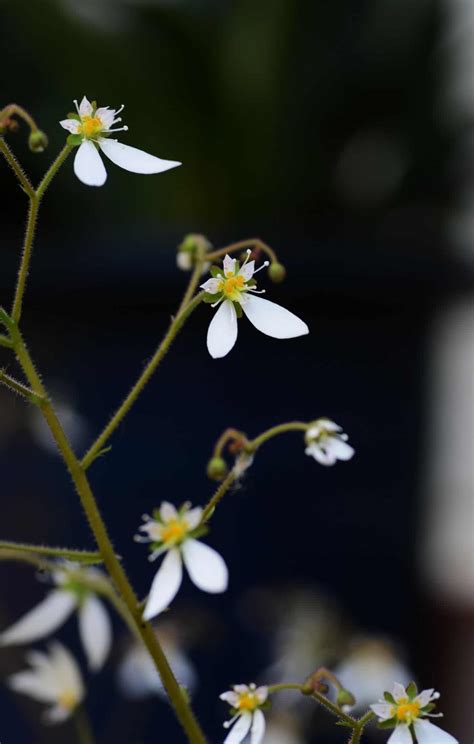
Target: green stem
35 199
87 557
193 283
17 169
217 497
116 572
254 444
321 699
83 726
359 728
144 378
242 245
19 388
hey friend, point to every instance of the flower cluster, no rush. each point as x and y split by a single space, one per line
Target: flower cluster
327 443
246 703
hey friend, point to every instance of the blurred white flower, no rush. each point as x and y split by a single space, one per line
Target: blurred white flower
55 679
408 710
70 595
234 289
245 702
137 675
90 129
281 729
172 532
326 442
368 670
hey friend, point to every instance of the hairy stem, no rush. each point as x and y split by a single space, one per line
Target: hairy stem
242 245
217 497
141 383
117 573
17 169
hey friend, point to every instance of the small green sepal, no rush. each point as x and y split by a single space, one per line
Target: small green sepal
209 298
412 690
389 697
216 271
391 723
74 140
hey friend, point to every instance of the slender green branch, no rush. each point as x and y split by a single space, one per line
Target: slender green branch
321 699
19 388
218 496
35 199
19 556
83 726
17 169
117 573
193 282
141 383
242 245
254 444
87 557
5 341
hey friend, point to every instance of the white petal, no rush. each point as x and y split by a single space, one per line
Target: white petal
382 710
428 733
193 517
106 116
72 125
261 693
66 670
401 735
42 620
205 566
134 160
324 457
258 727
222 331
29 683
399 692
239 730
57 714
95 631
425 697
211 286
167 512
229 265
85 107
272 319
165 585
230 697
88 165
248 270
340 449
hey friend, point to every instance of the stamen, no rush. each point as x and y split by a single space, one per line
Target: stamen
119 109
119 129
77 106
248 256
257 291
215 304
263 266
141 539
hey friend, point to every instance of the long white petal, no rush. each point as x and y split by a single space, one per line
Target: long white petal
88 165
95 631
72 125
401 735
134 160
428 733
258 727
165 585
205 566
272 319
42 620
222 331
239 730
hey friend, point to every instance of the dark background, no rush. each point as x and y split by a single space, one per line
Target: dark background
315 126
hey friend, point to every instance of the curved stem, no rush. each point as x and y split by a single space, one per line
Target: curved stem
254 444
321 699
217 497
242 245
193 283
116 571
13 109
52 170
229 435
144 378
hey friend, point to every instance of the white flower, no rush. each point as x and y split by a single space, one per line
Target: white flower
246 702
326 443
92 127
171 532
234 290
70 595
406 710
55 678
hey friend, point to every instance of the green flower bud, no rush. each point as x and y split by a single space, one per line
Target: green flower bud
217 469
193 243
277 272
37 141
344 697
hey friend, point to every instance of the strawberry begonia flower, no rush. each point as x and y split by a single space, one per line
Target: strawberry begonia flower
55 679
172 532
246 702
91 128
233 288
407 711
70 595
326 442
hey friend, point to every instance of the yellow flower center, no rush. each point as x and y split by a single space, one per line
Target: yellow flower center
91 126
248 701
67 700
406 711
232 286
174 531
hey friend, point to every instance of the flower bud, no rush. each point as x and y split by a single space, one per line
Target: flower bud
344 697
192 245
37 141
277 272
217 469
